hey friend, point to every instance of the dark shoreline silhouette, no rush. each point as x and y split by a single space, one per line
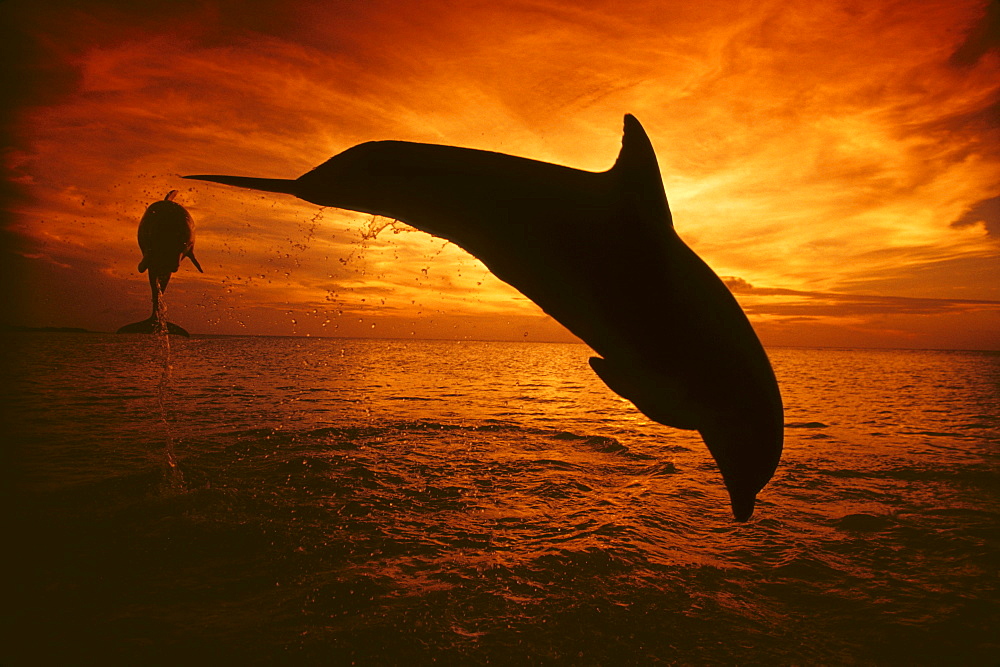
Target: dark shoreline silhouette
166 236
71 330
598 252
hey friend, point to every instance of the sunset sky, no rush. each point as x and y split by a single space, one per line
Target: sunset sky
837 162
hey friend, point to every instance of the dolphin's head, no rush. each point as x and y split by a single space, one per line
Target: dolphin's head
351 179
747 451
743 431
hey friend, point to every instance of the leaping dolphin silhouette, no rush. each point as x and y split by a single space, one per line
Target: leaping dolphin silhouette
598 252
166 236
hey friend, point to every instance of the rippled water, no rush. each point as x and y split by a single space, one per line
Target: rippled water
409 502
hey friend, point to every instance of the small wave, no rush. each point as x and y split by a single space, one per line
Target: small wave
806 568
495 425
605 444
600 443
418 425
864 523
566 564
842 473
806 425
922 474
662 468
564 489
553 464
965 512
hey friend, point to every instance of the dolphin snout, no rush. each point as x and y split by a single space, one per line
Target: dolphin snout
743 505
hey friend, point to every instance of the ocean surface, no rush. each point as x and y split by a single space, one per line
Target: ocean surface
242 500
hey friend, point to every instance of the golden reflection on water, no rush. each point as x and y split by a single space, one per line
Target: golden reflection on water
486 496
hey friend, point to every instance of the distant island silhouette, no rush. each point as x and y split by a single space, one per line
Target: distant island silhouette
21 327
598 252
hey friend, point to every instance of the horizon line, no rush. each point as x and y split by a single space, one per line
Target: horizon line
81 330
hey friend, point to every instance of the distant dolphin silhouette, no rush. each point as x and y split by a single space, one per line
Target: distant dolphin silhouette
166 236
598 252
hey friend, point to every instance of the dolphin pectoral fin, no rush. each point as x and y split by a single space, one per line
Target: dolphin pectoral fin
142 265
194 261
661 402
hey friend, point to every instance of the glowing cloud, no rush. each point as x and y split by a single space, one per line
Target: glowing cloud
844 157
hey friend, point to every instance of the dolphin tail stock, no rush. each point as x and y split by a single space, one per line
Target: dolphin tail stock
151 325
283 185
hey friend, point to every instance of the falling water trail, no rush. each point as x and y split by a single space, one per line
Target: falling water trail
174 477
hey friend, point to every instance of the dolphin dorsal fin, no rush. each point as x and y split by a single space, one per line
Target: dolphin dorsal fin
639 175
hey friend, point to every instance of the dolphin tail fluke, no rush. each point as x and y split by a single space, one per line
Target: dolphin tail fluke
285 185
151 325
177 330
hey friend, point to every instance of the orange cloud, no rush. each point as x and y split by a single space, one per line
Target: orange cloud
825 150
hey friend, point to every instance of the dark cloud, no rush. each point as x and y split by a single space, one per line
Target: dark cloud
818 305
737 285
42 44
987 212
805 304
984 36
961 277
958 135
